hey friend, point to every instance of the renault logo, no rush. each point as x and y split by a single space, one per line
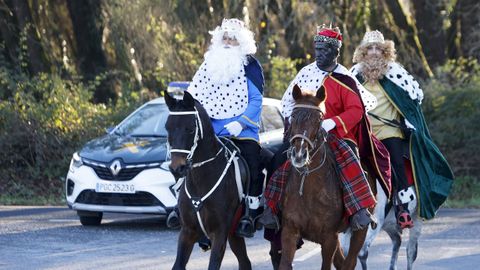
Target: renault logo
115 167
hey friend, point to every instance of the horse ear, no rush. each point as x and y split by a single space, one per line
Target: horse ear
320 93
297 92
169 100
188 99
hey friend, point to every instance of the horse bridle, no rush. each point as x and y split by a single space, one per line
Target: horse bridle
312 145
304 137
197 202
198 136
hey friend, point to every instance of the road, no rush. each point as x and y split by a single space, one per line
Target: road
52 238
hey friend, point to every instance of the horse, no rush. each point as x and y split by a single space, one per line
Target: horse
312 205
386 221
209 199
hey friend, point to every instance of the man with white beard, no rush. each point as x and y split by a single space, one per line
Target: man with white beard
229 85
418 167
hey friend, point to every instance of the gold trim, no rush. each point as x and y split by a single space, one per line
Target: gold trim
343 124
342 84
249 120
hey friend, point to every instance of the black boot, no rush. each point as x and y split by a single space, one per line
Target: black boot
246 226
204 243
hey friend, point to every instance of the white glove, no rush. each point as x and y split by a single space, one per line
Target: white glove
409 125
234 128
328 124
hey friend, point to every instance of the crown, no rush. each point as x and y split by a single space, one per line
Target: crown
232 25
372 37
328 35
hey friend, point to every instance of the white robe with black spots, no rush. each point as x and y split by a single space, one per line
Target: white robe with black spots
220 100
310 78
400 77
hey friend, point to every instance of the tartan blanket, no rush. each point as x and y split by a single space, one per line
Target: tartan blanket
356 190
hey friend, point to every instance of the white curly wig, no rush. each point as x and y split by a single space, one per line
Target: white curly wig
235 28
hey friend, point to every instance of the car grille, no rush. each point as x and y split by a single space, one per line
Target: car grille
137 199
124 175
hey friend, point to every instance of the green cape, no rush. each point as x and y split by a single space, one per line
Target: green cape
432 174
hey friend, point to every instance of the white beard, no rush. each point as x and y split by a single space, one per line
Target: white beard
224 63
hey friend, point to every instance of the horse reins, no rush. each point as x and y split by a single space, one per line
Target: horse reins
303 136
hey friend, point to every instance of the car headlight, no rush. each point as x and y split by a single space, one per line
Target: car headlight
76 162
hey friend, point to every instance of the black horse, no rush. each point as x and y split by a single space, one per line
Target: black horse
209 200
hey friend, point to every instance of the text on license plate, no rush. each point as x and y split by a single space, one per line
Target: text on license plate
115 188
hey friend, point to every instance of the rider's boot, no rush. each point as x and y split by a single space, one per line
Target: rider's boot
361 219
246 226
204 243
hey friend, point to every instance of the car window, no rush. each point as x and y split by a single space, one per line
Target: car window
148 121
271 118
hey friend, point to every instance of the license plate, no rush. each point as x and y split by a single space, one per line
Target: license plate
115 188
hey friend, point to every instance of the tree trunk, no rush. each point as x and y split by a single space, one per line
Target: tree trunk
36 57
88 25
429 23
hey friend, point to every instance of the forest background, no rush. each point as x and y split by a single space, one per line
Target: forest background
71 68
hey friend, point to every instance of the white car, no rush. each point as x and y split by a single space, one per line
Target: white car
126 170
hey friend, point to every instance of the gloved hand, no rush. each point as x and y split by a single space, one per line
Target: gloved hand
234 128
409 125
328 124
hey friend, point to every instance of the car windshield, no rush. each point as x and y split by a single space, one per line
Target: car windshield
147 122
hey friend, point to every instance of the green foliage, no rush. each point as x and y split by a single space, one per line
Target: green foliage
452 110
42 125
282 72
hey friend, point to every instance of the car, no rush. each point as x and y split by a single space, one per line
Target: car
126 170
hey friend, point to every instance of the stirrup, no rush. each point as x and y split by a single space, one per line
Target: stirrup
404 220
246 227
205 244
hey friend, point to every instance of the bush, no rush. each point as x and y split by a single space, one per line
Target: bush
452 111
42 125
282 72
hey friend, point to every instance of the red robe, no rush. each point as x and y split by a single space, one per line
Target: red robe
345 107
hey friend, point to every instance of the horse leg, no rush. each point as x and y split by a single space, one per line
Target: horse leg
219 243
396 238
339 257
290 237
412 245
275 255
237 244
186 240
329 247
356 244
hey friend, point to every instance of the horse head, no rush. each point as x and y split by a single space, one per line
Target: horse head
184 128
306 126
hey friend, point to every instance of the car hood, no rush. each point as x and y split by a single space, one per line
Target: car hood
128 149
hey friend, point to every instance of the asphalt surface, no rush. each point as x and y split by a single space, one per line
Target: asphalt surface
53 238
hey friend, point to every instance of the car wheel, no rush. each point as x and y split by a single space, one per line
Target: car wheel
88 218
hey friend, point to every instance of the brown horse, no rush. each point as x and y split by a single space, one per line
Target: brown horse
208 199
312 205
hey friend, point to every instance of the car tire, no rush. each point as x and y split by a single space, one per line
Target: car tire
88 218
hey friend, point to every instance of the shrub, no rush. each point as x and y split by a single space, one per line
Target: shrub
43 124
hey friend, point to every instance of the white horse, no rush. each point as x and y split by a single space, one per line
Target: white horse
388 223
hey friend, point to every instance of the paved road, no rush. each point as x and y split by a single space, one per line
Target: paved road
52 238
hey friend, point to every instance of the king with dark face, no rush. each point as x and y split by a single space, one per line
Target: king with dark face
327 48
326 56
